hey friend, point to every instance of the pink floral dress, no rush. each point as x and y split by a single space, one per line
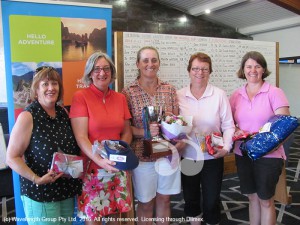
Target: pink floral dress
104 194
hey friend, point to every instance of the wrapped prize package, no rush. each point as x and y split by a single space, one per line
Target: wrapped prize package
270 136
241 135
214 140
70 165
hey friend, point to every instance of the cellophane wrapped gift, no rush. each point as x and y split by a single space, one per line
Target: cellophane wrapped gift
214 140
176 127
241 135
270 136
70 165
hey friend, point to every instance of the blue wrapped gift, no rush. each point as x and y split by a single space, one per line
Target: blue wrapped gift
271 136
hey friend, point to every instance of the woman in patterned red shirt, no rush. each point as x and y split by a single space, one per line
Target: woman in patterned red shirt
154 180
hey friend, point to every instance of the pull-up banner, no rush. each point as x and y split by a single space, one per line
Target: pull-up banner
49 33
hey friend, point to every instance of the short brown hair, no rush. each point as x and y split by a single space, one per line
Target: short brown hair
259 58
202 57
51 74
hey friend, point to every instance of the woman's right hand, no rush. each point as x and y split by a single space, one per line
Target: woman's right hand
108 165
240 134
104 162
48 178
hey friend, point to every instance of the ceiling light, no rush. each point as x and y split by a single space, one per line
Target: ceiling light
121 2
207 11
183 19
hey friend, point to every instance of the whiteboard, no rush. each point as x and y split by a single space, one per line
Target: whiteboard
175 51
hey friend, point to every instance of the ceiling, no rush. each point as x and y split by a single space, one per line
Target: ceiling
248 17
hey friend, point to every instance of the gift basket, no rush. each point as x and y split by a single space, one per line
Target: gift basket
269 137
176 127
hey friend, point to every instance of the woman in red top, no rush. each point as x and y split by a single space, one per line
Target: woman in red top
99 113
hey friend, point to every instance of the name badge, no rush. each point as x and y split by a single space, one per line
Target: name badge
117 158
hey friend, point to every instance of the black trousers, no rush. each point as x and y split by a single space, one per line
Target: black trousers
201 192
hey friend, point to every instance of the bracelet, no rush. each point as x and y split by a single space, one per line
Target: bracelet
33 178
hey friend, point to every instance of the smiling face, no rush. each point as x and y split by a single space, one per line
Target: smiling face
47 92
253 71
101 74
148 63
199 72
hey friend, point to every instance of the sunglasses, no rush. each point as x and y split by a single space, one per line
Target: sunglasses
43 67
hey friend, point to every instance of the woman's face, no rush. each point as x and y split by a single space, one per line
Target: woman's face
199 73
101 74
148 63
48 91
253 71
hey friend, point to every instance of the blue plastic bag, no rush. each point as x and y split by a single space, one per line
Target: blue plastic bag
260 144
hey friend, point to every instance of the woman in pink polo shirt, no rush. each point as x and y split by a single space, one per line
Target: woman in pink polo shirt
252 106
211 113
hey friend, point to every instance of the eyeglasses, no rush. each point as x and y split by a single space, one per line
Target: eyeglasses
203 70
105 69
43 67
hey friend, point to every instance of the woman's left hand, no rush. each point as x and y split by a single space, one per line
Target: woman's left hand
180 145
49 177
219 152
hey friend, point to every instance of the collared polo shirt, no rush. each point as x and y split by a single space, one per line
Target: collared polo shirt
211 113
251 115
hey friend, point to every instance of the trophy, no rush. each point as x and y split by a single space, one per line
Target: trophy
155 146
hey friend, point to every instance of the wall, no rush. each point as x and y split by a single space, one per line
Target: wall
289 75
289 80
134 16
145 17
288 40
175 51
151 17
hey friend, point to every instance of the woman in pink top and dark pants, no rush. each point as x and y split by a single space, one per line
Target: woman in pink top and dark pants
252 106
211 112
